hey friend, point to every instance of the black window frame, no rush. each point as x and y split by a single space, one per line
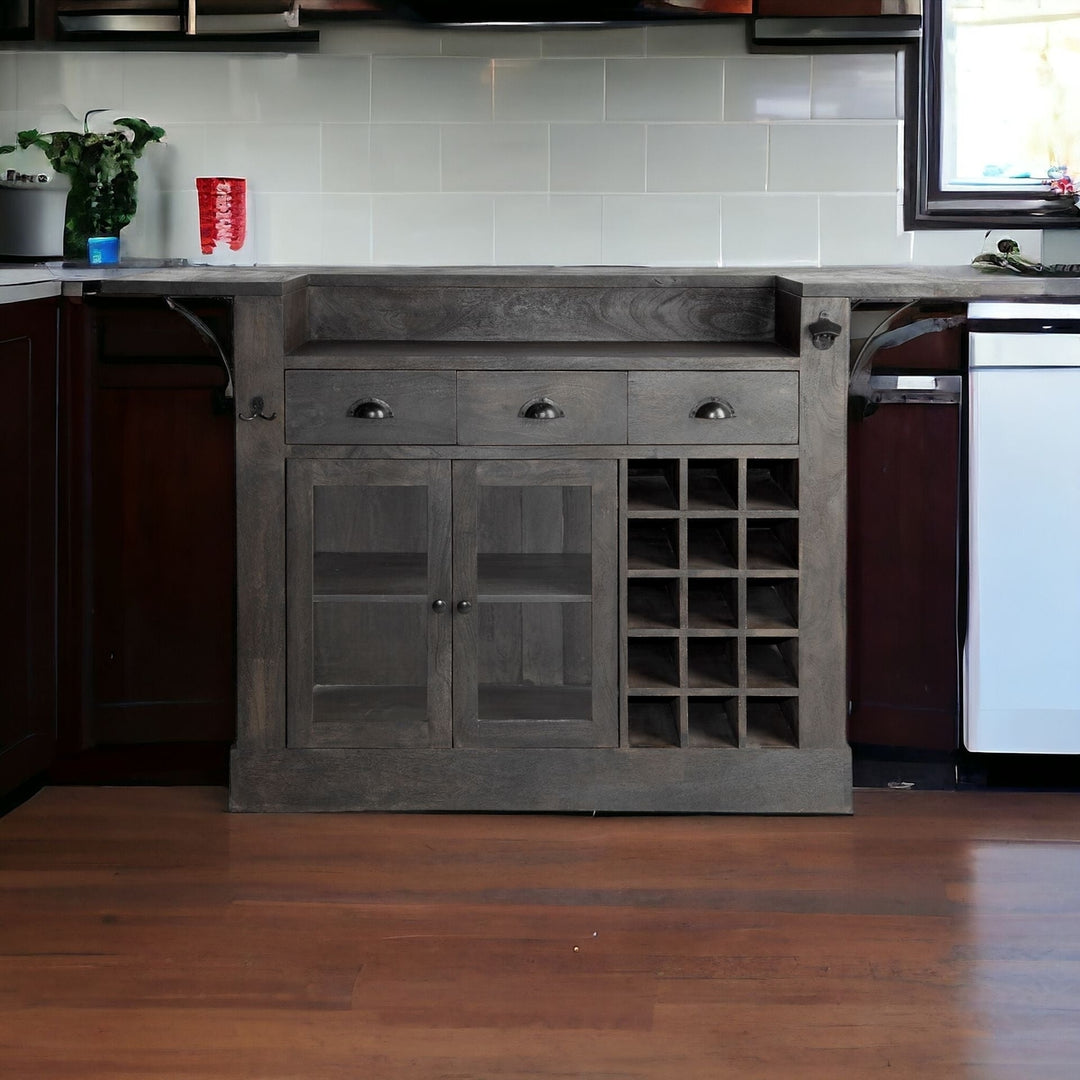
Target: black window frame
926 204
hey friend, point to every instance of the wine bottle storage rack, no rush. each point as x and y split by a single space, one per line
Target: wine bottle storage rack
710 595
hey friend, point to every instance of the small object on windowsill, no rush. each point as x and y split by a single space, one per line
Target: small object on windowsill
1007 257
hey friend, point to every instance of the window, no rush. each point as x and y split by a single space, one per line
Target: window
998 114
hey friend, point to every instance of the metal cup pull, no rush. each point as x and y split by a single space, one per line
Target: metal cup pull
541 408
712 409
371 409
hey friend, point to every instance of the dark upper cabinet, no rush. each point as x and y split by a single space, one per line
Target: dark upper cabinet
27 539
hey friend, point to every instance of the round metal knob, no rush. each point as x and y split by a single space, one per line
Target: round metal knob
713 409
372 409
439 605
541 409
463 606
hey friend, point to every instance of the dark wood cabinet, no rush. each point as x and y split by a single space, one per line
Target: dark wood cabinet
148 548
28 359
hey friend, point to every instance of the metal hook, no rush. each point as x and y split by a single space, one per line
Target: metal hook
257 405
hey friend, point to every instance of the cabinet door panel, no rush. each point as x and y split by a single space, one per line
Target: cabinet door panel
534 557
27 540
368 555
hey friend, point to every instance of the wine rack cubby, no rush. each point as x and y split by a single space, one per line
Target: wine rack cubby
710 595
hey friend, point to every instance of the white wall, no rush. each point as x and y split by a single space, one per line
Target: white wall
660 146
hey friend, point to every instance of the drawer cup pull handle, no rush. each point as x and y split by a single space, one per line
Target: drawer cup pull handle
540 409
371 409
712 409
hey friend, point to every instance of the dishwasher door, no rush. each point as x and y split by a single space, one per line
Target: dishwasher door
1022 652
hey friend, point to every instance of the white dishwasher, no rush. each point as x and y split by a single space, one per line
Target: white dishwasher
1022 650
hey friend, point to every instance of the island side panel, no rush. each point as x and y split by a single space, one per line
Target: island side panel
260 524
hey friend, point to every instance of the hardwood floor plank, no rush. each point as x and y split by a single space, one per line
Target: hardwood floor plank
147 933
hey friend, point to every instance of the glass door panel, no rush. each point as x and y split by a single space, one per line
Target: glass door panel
535 559
368 558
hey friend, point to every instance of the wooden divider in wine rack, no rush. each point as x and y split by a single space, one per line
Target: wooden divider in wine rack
710 602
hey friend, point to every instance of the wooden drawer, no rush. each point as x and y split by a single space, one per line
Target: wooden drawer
492 407
764 406
323 407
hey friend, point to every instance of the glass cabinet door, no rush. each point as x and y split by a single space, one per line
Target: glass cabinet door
369 603
535 645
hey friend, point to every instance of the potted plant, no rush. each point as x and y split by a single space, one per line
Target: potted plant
101 168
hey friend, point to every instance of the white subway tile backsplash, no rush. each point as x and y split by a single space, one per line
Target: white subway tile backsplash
431 89
346 157
663 89
432 230
602 41
312 88
727 38
9 82
378 39
598 157
178 159
767 88
548 230
661 230
346 230
274 157
495 157
862 229
769 230
669 145
707 157
549 90
946 247
833 157
854 86
499 44
405 157
76 81
188 87
287 228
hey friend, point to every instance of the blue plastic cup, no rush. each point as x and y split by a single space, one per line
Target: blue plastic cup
103 250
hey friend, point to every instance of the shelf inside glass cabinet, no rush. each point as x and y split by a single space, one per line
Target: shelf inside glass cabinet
370 574
513 578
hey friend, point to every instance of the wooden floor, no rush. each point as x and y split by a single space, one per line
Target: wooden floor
147 934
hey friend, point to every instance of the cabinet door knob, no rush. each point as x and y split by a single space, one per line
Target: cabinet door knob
371 409
712 409
439 605
464 606
540 409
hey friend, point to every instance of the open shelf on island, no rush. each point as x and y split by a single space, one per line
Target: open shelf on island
652 544
772 485
772 544
652 662
653 721
712 485
772 664
652 485
712 543
712 603
772 721
711 662
713 721
772 604
652 604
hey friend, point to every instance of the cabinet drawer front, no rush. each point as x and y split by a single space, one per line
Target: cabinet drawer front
675 407
403 407
492 408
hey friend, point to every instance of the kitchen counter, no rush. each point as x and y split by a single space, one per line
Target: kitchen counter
856 282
